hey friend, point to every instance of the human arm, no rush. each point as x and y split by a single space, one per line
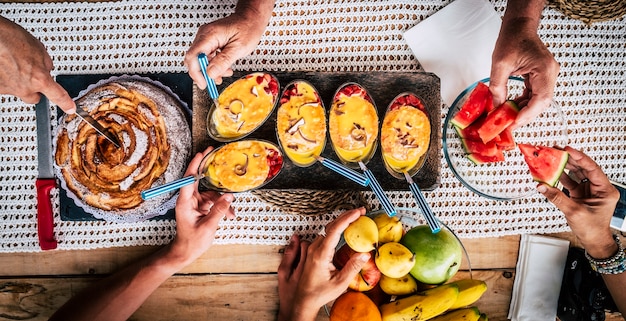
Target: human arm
117 297
319 281
228 39
588 211
25 68
520 51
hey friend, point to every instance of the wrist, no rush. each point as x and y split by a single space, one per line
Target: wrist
614 264
255 10
523 14
601 247
303 311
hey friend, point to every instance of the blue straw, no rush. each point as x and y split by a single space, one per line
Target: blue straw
427 212
210 84
343 170
378 191
173 185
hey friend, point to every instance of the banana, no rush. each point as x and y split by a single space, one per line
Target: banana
483 317
394 259
470 290
421 306
398 286
362 234
465 314
389 228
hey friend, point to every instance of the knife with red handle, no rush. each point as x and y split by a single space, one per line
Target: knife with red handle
46 180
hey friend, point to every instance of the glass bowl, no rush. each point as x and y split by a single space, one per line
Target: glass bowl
240 166
301 123
353 124
509 179
243 107
405 135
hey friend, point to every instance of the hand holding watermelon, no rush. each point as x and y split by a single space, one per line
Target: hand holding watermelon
520 51
590 204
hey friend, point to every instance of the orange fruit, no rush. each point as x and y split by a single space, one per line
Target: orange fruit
354 306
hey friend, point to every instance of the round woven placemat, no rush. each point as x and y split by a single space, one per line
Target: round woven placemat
312 202
591 11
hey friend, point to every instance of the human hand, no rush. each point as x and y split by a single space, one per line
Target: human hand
289 273
520 51
25 68
320 281
228 39
590 205
197 217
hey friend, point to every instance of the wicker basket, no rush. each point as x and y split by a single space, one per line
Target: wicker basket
312 202
591 11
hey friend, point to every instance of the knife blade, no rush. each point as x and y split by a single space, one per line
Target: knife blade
46 180
84 115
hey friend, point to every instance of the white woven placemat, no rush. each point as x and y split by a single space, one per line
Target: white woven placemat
153 36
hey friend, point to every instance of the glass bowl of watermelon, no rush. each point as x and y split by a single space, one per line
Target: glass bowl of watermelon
484 153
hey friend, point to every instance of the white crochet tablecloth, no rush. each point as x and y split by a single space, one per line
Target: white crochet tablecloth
343 35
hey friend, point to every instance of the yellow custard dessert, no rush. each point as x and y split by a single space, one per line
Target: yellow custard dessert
353 125
405 137
244 105
301 123
242 165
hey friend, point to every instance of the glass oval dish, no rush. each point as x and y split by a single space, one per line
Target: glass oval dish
353 124
243 107
509 179
301 123
240 166
405 135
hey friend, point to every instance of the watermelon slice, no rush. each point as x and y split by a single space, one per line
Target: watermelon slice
498 120
471 132
505 140
478 147
473 107
546 164
479 159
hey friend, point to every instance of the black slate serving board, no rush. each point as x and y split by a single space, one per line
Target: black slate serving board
383 87
179 83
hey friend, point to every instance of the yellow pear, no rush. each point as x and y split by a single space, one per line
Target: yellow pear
394 259
389 228
398 286
362 234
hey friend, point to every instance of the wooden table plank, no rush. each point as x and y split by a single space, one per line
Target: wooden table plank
488 253
201 297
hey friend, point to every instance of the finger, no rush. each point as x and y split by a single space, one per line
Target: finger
286 265
336 227
568 182
30 98
220 209
588 166
57 94
558 198
222 62
498 84
351 269
534 107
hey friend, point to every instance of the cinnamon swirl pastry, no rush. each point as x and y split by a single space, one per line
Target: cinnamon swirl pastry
155 138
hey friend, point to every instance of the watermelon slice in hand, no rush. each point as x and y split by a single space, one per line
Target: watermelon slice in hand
546 164
473 107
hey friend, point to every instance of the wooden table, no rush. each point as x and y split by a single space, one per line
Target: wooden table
229 282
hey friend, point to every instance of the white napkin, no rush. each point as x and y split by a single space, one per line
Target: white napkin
456 44
538 278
